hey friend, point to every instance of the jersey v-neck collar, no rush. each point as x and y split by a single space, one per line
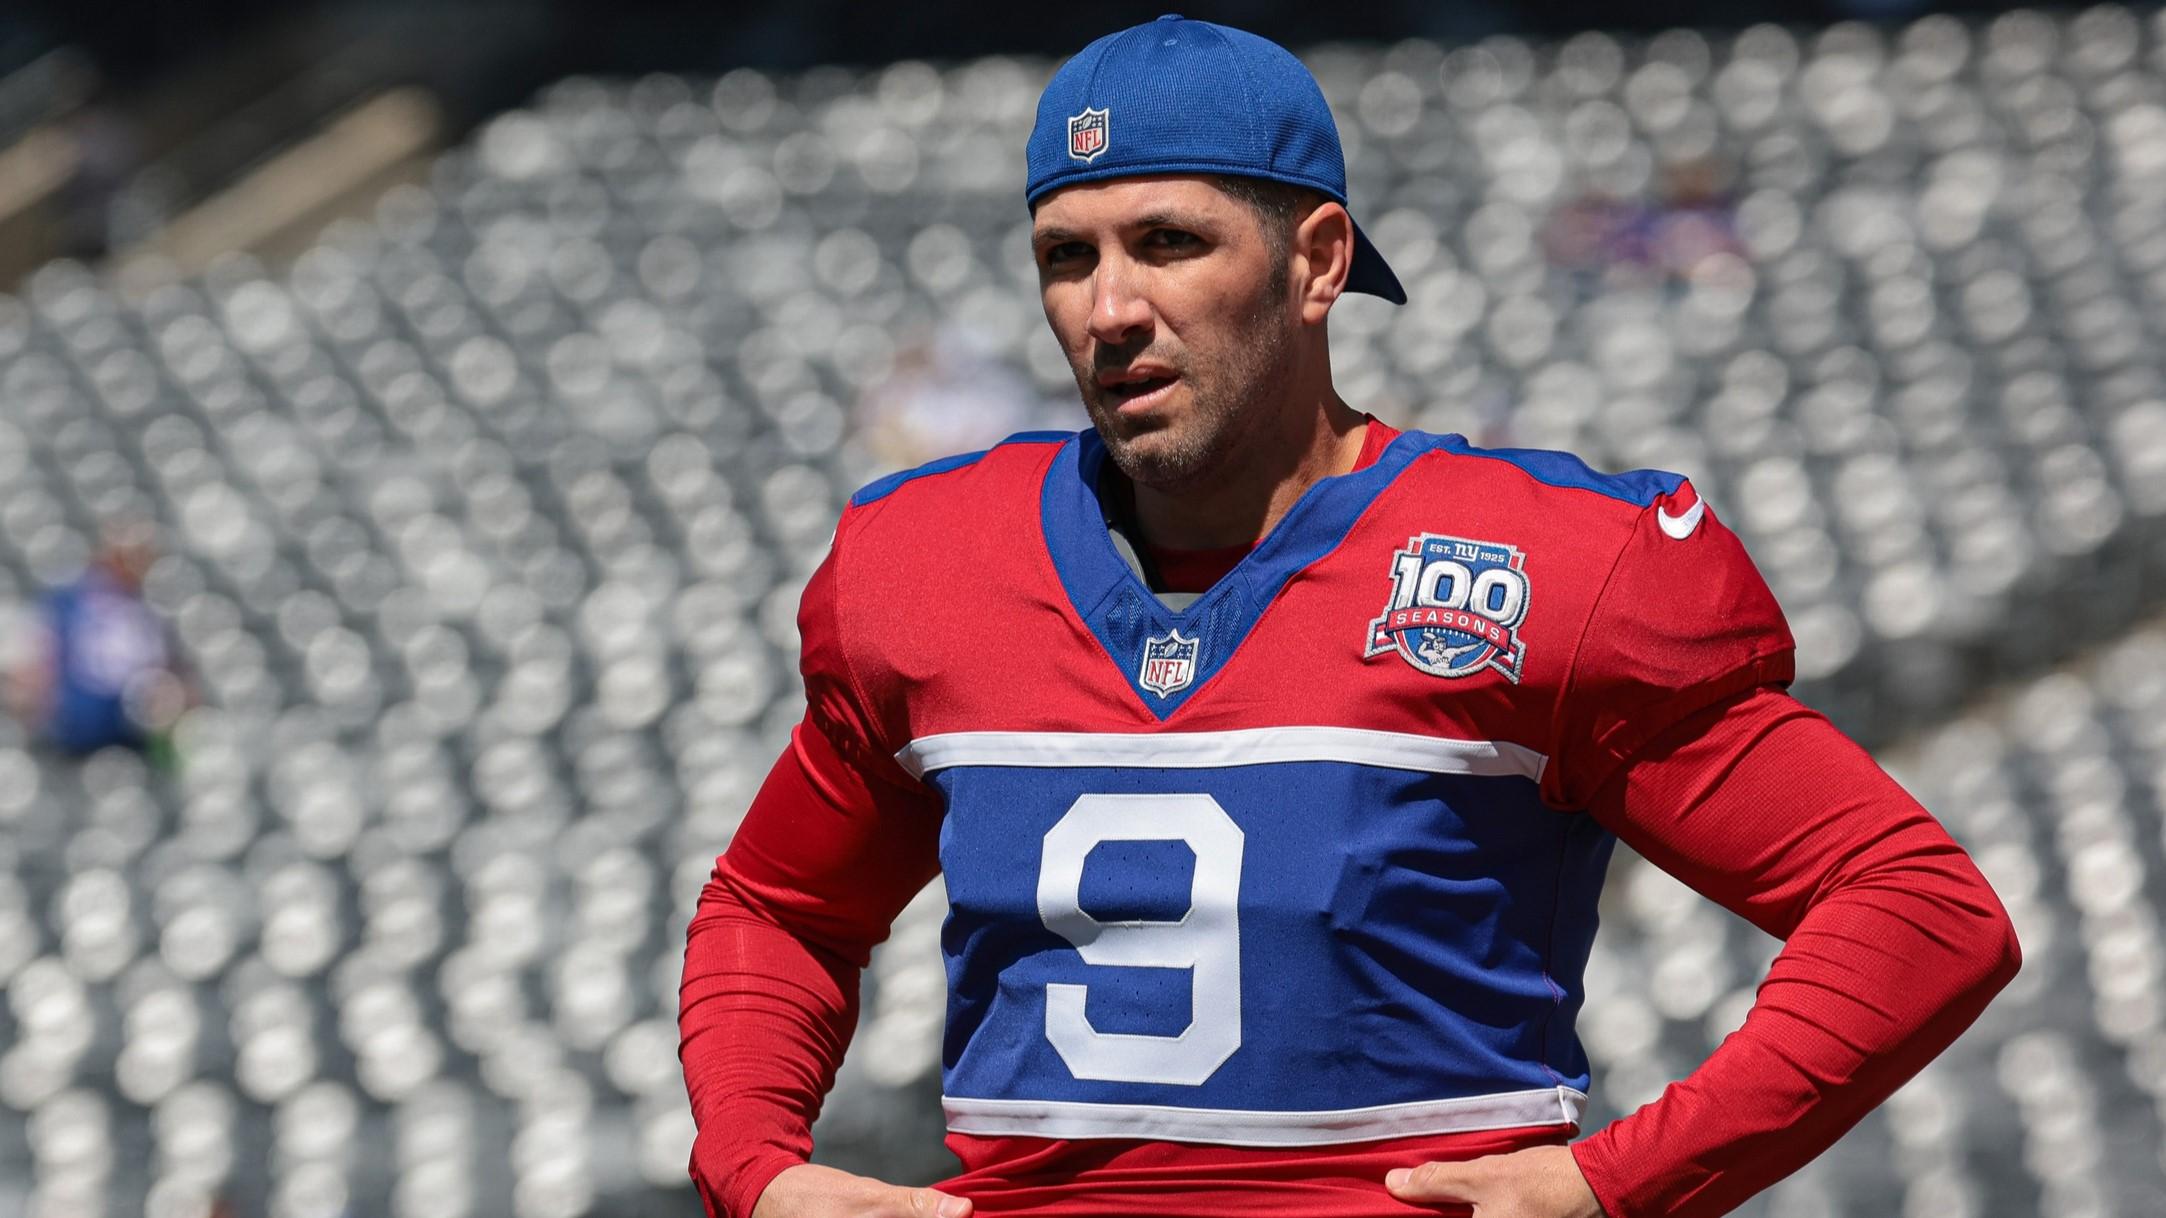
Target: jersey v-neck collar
1191 644
1178 576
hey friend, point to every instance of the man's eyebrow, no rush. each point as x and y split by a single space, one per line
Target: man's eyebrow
1051 235
1170 219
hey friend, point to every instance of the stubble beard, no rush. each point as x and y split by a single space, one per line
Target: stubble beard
1227 393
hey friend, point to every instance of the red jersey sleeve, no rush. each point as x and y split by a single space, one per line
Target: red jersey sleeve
1683 620
836 842
1893 945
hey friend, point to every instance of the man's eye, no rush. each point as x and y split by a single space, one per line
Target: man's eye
1172 239
1066 251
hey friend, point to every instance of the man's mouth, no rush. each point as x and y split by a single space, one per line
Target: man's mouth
1132 388
1128 391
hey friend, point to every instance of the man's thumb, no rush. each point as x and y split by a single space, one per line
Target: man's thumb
938 1205
1430 1182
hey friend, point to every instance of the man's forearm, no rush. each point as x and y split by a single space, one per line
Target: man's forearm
764 1018
824 860
1894 945
1869 989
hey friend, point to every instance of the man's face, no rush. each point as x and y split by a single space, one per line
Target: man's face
1171 302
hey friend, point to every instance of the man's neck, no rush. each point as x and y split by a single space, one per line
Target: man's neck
1259 482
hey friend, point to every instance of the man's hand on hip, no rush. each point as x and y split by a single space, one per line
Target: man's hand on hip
811 1191
1539 1182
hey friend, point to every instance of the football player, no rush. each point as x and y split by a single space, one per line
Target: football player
1273 758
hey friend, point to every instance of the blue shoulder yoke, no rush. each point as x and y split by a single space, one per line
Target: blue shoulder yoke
1638 487
883 487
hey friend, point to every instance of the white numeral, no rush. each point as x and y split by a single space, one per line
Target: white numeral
1206 940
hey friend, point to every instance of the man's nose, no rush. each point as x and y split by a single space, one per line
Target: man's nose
1119 310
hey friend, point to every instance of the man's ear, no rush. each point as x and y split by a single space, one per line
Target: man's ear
1323 249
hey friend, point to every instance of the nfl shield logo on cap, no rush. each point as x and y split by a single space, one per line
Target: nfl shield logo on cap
1087 135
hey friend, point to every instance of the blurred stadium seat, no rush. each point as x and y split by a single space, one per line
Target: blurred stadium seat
484 525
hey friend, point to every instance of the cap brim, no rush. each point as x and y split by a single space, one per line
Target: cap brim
1370 273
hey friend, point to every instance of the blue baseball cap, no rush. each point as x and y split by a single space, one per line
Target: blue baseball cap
1181 96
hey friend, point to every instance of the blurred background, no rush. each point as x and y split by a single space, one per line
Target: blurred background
417 422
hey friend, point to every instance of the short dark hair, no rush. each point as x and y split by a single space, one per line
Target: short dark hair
1278 206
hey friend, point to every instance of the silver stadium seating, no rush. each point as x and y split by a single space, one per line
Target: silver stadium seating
484 523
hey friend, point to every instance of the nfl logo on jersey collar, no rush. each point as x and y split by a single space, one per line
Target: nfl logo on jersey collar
1455 607
1169 663
1089 135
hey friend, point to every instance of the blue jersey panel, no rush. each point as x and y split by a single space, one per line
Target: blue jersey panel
1400 936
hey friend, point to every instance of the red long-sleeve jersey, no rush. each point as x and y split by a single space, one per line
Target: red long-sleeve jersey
1894 943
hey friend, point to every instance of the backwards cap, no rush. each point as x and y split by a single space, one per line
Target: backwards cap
1181 96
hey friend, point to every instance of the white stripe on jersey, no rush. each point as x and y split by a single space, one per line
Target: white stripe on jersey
1236 1127
1207 750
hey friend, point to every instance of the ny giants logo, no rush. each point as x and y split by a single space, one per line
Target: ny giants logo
1169 663
1455 607
1089 134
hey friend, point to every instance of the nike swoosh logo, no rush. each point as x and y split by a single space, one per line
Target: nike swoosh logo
1680 527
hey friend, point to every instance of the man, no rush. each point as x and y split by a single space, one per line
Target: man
91 668
1273 759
